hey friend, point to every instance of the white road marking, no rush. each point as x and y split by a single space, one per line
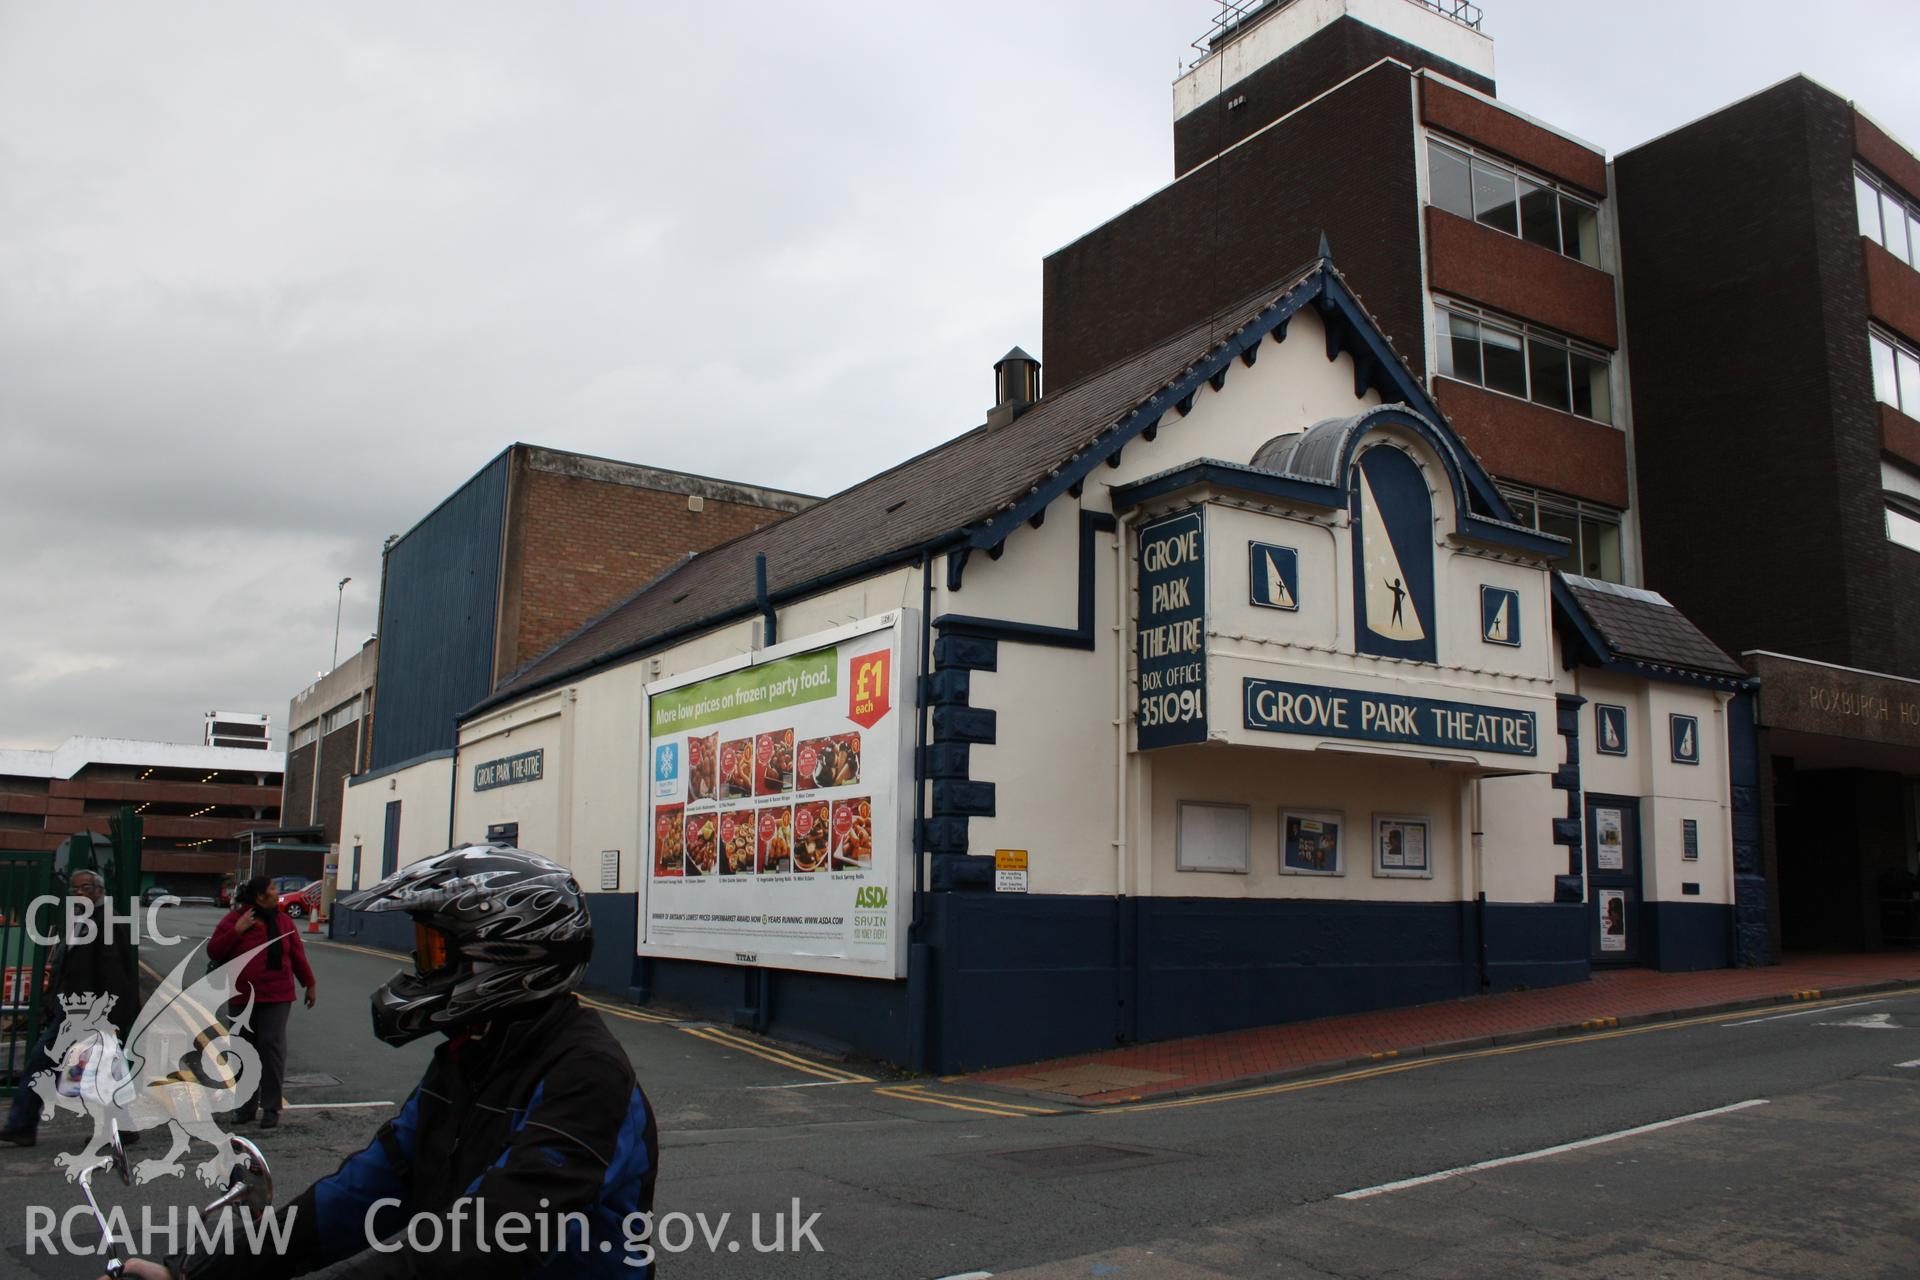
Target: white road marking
969 1275
1801 1013
1914 1063
1404 1183
809 1084
330 1106
1870 1022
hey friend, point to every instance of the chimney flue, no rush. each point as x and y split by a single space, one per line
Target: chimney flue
1016 385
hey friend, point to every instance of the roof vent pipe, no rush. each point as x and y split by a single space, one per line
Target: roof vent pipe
1016 385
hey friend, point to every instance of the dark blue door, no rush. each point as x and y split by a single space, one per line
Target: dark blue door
390 848
1613 878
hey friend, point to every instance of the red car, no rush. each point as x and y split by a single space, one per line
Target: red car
304 901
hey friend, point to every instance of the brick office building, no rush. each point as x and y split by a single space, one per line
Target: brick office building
537 543
1774 305
195 802
1481 239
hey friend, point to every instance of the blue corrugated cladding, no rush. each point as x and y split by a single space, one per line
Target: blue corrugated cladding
436 628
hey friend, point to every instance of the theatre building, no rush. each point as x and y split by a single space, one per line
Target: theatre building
1220 687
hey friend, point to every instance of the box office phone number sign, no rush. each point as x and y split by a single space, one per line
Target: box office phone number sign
1172 705
775 834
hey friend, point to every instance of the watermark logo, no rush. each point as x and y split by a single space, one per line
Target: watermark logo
179 1067
82 920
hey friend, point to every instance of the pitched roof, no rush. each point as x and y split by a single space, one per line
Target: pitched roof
928 503
1640 626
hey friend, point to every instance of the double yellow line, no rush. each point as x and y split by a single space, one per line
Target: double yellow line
962 1102
779 1057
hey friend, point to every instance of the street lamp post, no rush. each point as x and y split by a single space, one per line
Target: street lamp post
339 598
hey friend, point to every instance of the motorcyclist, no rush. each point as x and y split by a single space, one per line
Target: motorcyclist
530 1107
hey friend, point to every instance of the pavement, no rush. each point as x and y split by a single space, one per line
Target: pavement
1610 999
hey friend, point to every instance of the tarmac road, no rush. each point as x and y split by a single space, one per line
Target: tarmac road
1792 1155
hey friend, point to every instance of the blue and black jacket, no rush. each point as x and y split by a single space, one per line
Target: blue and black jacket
541 1117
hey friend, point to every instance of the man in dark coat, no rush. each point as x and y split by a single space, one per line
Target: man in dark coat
101 964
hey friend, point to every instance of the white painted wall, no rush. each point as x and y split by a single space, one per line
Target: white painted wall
422 791
1357 787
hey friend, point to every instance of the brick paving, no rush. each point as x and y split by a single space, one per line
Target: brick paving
1625 995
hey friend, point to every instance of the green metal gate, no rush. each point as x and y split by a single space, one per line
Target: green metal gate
24 877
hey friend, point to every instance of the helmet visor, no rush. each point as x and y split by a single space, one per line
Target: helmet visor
431 951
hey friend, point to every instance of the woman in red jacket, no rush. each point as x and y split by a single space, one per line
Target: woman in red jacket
267 978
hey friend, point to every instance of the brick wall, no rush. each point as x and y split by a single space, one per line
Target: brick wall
296 794
1893 291
1520 278
1518 440
1344 165
1315 65
1520 140
336 761
578 546
1757 443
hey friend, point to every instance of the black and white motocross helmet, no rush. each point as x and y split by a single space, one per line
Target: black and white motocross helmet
493 927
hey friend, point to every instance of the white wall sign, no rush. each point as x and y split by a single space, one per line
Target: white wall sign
787 836
1009 870
1213 837
609 869
1609 845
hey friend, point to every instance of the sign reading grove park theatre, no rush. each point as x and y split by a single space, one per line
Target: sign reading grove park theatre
1277 706
1172 705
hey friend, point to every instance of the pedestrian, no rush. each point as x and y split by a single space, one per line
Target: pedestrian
100 963
267 979
529 1110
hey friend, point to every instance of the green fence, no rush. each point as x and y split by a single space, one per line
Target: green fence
23 878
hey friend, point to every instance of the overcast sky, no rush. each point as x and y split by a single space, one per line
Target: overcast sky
276 278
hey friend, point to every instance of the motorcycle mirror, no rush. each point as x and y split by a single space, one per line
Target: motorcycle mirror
251 1186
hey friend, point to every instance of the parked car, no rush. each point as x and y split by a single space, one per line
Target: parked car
304 902
154 892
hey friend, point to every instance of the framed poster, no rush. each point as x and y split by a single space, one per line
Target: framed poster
1689 840
1402 845
1310 843
1213 837
1613 919
1609 844
1500 616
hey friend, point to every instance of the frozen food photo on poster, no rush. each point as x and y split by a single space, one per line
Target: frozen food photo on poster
703 843
773 752
669 840
736 769
825 763
811 823
776 840
702 767
853 833
736 842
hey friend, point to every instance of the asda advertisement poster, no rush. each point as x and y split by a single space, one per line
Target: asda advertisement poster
780 805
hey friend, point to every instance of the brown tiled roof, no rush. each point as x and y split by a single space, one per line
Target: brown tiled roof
919 503
1643 627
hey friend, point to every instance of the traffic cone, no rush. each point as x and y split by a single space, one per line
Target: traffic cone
313 923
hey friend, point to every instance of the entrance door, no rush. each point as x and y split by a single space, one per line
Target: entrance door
1613 878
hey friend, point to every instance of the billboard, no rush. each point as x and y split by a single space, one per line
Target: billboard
780 805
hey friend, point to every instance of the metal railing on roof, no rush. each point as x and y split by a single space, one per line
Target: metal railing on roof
1235 15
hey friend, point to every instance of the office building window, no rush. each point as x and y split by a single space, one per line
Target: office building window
1494 194
305 734
1509 356
340 717
1903 528
1592 531
1886 217
1896 373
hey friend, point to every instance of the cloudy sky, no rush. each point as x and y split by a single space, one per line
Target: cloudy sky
275 278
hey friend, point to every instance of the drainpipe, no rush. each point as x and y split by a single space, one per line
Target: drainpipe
1479 885
919 952
769 621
